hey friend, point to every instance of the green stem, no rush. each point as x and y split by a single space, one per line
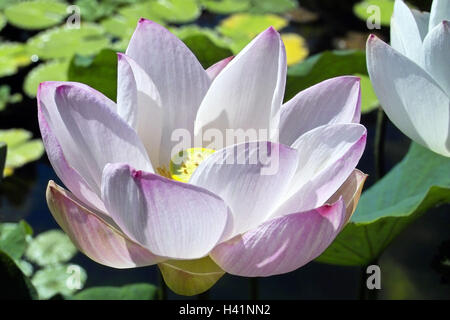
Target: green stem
380 133
162 287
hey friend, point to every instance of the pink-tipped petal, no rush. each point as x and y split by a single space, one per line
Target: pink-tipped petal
336 100
61 148
179 77
251 178
69 176
139 103
91 134
440 11
327 156
170 218
216 68
93 236
248 93
350 192
281 245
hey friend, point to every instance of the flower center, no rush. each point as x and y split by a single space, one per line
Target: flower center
184 163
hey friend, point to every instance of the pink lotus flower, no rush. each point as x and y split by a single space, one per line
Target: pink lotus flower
228 217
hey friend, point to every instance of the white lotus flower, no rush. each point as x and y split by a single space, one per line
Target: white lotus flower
412 76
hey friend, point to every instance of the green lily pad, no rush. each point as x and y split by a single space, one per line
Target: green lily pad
38 14
419 182
59 279
13 239
226 6
273 6
206 51
207 45
369 100
94 9
386 7
7 98
50 247
26 267
193 30
2 21
12 56
21 149
176 11
63 42
124 24
6 3
48 71
15 285
241 28
138 291
330 64
99 72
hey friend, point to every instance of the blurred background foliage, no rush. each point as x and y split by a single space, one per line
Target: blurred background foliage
40 41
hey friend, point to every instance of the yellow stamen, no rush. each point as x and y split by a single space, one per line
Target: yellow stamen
162 171
183 164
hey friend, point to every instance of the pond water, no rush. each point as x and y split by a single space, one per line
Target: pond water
407 265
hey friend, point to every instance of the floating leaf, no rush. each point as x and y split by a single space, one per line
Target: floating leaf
176 11
25 267
243 27
15 285
99 72
124 24
138 291
92 10
206 51
7 3
50 247
296 48
59 279
7 98
369 100
13 239
190 277
419 182
48 71
12 56
2 21
226 6
272 6
38 14
365 10
64 42
327 65
21 150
